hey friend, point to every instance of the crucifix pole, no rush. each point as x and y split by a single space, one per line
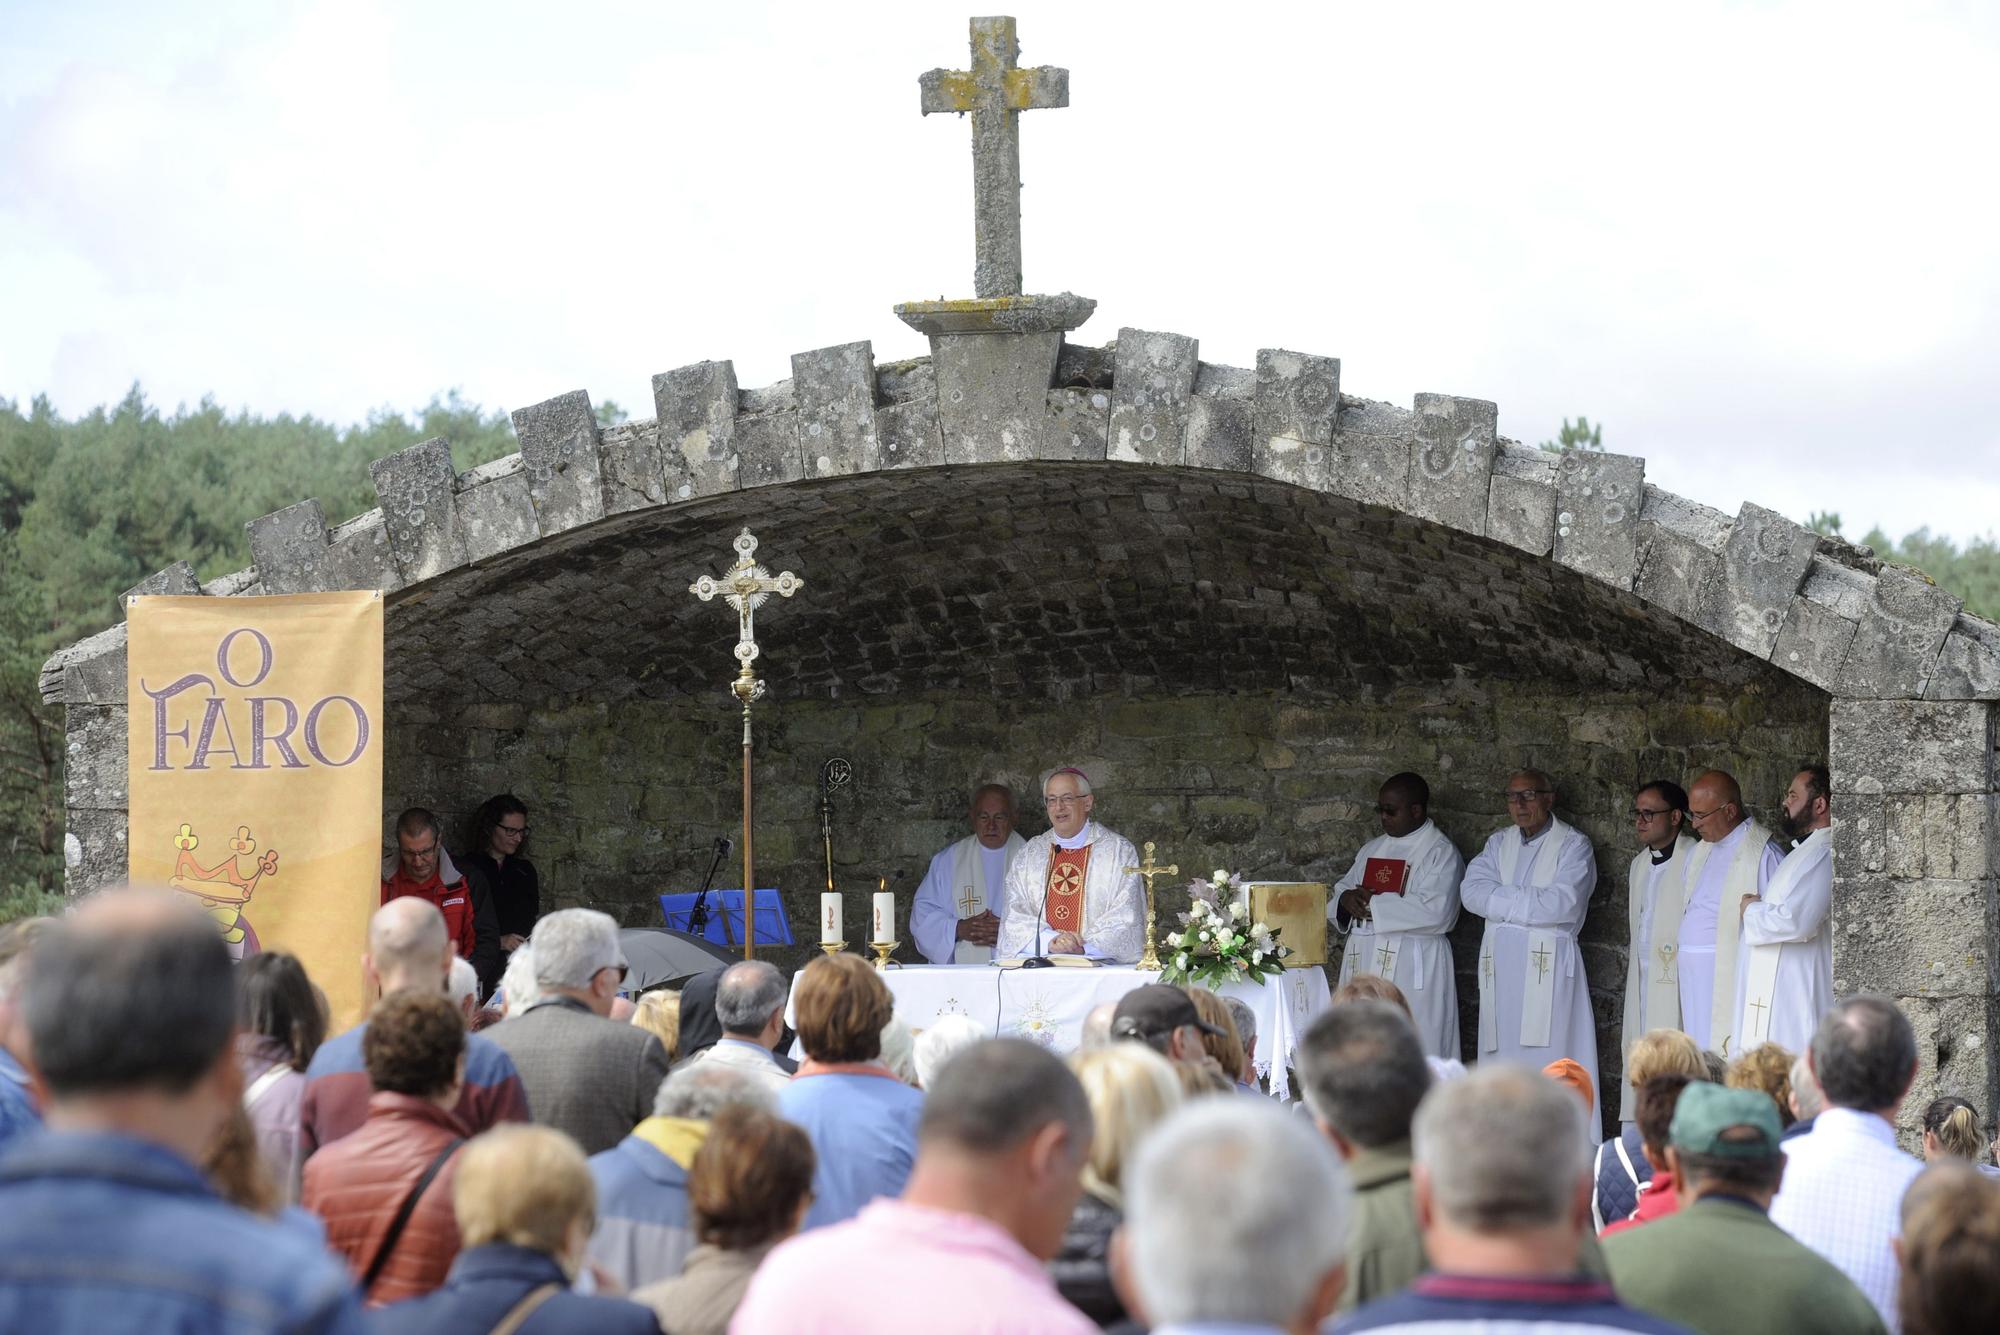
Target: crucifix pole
745 586
1149 959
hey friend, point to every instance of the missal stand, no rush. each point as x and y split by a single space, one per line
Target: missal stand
724 910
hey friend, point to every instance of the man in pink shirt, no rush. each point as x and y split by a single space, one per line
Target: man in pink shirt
1000 1152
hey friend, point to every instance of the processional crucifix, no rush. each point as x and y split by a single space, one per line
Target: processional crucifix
1150 958
745 586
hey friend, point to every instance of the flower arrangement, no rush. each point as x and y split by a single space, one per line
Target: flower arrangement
1217 943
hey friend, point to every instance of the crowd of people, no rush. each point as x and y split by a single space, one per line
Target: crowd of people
184 1146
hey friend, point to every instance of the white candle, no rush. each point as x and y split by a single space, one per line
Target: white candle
885 916
829 918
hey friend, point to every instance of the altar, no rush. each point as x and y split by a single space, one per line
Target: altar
1048 1006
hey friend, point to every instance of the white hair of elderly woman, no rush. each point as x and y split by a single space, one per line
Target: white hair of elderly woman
1236 1212
945 1039
463 981
899 1050
572 946
517 985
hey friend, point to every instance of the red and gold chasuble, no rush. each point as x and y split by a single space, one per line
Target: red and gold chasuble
1063 894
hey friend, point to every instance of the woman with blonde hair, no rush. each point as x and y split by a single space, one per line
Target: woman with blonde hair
1621 1166
1226 1047
1131 1089
525 1204
659 1014
1766 1068
1951 1131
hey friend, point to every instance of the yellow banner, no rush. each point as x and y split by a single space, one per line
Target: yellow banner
255 746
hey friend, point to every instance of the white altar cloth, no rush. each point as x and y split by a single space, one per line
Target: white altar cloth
1049 1005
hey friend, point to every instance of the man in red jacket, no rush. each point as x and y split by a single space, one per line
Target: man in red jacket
423 869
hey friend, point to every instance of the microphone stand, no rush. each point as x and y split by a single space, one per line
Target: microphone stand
1038 960
698 915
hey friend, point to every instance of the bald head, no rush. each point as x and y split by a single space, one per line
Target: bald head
1715 805
408 948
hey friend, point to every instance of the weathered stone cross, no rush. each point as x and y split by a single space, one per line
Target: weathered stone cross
995 91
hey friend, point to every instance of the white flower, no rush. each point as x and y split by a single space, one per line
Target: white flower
1204 934
1258 929
1173 938
1238 912
1257 957
1180 961
1221 877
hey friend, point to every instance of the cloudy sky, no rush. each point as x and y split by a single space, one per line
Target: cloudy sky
1756 241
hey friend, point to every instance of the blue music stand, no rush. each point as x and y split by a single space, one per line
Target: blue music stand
725 917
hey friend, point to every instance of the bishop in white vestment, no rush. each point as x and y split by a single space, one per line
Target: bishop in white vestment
1735 858
1397 930
952 918
1786 963
1532 883
1075 885
1656 892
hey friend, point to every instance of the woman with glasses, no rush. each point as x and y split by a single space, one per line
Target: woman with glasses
499 854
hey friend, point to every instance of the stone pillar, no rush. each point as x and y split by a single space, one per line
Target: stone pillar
1914 894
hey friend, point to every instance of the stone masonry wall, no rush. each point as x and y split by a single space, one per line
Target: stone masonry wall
626 799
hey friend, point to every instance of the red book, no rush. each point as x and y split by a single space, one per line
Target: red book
1385 876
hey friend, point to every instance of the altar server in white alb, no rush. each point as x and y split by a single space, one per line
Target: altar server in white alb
952 918
1077 880
1657 877
1734 858
1397 903
1532 883
1785 971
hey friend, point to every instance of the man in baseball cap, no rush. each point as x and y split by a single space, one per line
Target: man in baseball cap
1164 1019
1718 1264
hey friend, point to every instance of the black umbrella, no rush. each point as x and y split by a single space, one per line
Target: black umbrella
662 957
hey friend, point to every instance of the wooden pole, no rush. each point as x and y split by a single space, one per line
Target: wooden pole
749 878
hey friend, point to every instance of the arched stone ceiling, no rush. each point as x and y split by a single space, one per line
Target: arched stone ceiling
1036 578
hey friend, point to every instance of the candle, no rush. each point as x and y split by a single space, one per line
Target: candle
885 916
829 918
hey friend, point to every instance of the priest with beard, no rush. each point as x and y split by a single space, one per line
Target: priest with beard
1785 966
1074 887
1398 903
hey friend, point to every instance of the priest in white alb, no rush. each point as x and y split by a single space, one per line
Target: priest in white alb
1734 858
1073 889
952 918
1785 971
1532 883
1655 895
1397 903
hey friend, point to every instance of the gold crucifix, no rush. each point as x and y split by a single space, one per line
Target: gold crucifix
745 586
1149 869
1541 954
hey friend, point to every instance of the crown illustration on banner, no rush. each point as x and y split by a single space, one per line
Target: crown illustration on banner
224 882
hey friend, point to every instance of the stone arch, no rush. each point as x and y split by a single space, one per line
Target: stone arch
1160 462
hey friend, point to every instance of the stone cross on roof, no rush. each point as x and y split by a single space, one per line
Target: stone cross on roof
995 91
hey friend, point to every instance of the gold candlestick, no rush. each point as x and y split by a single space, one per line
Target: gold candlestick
883 950
1146 871
833 947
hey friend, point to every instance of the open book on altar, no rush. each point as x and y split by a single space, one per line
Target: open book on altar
1064 961
1385 876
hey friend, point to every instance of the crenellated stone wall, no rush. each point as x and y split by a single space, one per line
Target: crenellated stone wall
1129 527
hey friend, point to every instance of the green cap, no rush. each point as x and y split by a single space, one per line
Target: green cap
1712 1120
